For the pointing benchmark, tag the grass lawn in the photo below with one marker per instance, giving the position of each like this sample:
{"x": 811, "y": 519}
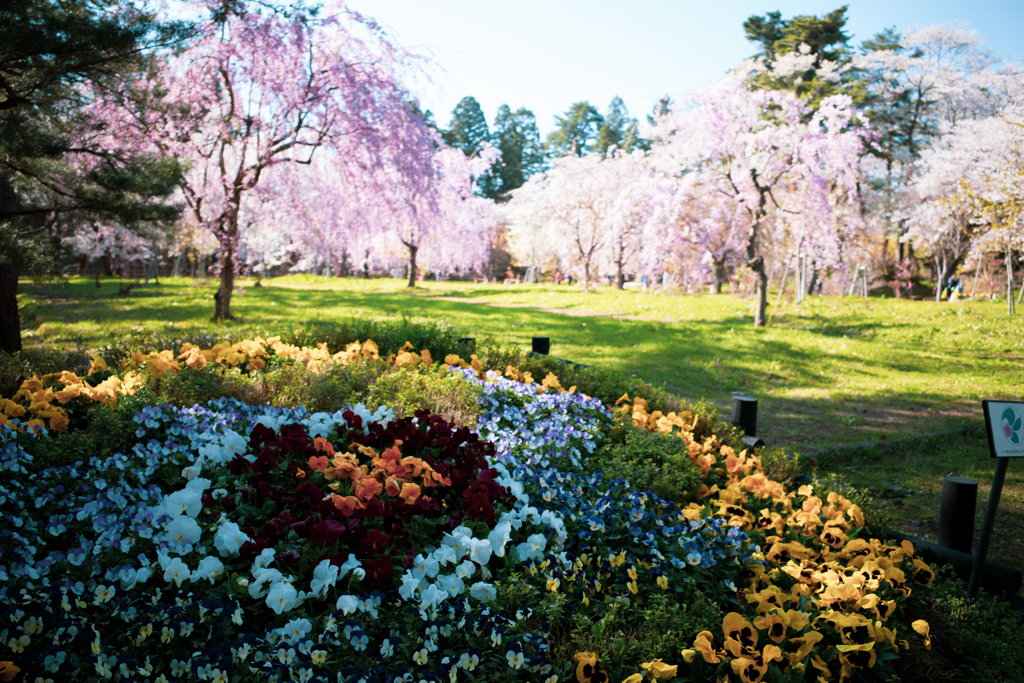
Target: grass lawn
{"x": 831, "y": 373}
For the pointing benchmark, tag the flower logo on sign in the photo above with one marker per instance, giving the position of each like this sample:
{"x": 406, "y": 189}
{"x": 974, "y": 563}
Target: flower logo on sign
{"x": 1011, "y": 423}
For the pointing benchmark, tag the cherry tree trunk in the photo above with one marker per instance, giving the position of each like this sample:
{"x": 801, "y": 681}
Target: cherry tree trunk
{"x": 618, "y": 272}
{"x": 108, "y": 264}
{"x": 760, "y": 290}
{"x": 1009, "y": 281}
{"x": 756, "y": 263}
{"x": 10, "y": 322}
{"x": 586, "y": 276}
{"x": 412, "y": 264}
{"x": 222, "y": 299}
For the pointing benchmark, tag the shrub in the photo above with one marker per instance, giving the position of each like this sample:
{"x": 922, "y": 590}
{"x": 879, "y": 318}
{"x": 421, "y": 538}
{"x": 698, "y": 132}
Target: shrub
{"x": 103, "y": 429}
{"x": 426, "y": 387}
{"x": 876, "y": 521}
{"x": 653, "y": 461}
{"x": 16, "y": 367}
{"x": 978, "y": 642}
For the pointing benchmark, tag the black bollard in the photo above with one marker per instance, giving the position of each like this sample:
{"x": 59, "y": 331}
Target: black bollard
{"x": 956, "y": 513}
{"x": 744, "y": 413}
{"x": 542, "y": 345}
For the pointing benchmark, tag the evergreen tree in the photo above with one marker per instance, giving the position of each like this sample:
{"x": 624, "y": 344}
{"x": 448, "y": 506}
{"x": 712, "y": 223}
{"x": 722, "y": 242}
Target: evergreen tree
{"x": 576, "y": 131}
{"x": 619, "y": 129}
{"x": 468, "y": 127}
{"x": 820, "y": 39}
{"x": 468, "y": 131}
{"x": 517, "y": 138}
{"x": 58, "y": 59}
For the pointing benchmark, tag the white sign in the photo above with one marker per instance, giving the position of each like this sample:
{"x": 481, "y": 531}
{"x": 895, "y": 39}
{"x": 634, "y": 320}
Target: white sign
{"x": 1004, "y": 421}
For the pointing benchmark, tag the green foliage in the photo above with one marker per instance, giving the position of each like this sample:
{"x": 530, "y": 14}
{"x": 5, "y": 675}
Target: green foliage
{"x": 522, "y": 153}
{"x": 652, "y": 461}
{"x": 630, "y": 631}
{"x": 876, "y": 521}
{"x": 779, "y": 464}
{"x": 199, "y": 385}
{"x": 390, "y": 335}
{"x": 17, "y": 367}
{"x": 468, "y": 131}
{"x": 823, "y": 35}
{"x": 576, "y": 131}
{"x": 619, "y": 129}
{"x": 57, "y": 61}
{"x": 100, "y": 431}
{"x": 977, "y": 642}
{"x": 427, "y": 387}
{"x": 328, "y": 391}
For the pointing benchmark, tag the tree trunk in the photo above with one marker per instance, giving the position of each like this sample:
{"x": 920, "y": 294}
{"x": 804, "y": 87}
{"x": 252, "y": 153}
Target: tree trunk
{"x": 82, "y": 261}
{"x": 586, "y": 276}
{"x": 10, "y": 322}
{"x": 755, "y": 261}
{"x": 947, "y": 272}
{"x": 108, "y": 264}
{"x": 721, "y": 276}
{"x": 1009, "y": 280}
{"x": 618, "y": 272}
{"x": 222, "y": 299}
{"x": 412, "y": 264}
{"x": 756, "y": 264}
{"x": 813, "y": 283}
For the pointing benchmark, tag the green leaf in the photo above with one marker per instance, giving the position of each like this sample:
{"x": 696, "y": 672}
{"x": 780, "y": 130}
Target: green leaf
{"x": 619, "y": 646}
{"x": 597, "y": 630}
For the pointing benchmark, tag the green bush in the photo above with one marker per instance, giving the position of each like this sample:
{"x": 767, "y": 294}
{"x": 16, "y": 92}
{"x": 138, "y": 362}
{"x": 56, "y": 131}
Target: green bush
{"x": 659, "y": 626}
{"x": 652, "y": 461}
{"x": 876, "y": 521}
{"x": 427, "y": 387}
{"x": 100, "y": 431}
{"x": 979, "y": 642}
{"x": 17, "y": 367}
{"x": 389, "y": 334}
{"x": 339, "y": 385}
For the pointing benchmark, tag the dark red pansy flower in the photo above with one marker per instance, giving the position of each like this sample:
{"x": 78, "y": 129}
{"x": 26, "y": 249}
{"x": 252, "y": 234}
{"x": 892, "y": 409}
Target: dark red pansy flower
{"x": 260, "y": 436}
{"x": 379, "y": 573}
{"x": 310, "y": 492}
{"x": 328, "y": 531}
{"x": 238, "y": 465}
{"x": 480, "y": 508}
{"x": 266, "y": 462}
{"x": 373, "y": 543}
{"x": 250, "y": 550}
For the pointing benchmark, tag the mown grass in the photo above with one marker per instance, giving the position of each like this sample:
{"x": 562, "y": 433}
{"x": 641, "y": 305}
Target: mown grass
{"x": 832, "y": 373}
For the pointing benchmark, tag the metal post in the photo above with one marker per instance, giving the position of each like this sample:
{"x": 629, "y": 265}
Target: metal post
{"x": 864, "y": 280}
{"x": 542, "y": 345}
{"x": 956, "y": 513}
{"x": 986, "y": 528}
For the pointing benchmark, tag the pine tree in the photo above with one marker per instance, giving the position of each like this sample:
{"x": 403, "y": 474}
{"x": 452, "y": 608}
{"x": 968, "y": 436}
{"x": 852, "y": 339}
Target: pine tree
{"x": 522, "y": 153}
{"x": 576, "y": 131}
{"x": 58, "y": 58}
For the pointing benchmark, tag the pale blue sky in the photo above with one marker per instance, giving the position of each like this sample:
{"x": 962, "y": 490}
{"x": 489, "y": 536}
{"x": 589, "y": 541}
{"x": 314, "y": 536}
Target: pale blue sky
{"x": 545, "y": 55}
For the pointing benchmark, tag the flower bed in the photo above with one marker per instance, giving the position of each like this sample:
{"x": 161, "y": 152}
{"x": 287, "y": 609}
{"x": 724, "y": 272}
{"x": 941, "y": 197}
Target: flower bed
{"x": 242, "y": 542}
